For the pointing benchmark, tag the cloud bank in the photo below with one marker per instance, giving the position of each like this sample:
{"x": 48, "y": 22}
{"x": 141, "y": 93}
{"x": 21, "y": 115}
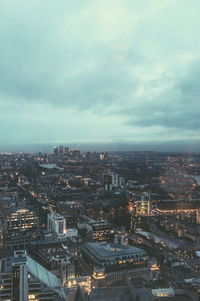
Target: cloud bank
{"x": 99, "y": 70}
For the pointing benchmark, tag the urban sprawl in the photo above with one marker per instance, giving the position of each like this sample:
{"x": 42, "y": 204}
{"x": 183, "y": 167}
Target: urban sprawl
{"x": 99, "y": 226}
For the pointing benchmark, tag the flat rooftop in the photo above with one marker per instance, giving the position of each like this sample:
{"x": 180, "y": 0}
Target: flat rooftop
{"x": 121, "y": 293}
{"x": 99, "y": 223}
{"x": 105, "y": 250}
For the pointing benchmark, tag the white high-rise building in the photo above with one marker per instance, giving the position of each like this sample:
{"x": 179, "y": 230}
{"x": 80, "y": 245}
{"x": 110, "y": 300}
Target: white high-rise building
{"x": 115, "y": 179}
{"x": 57, "y": 223}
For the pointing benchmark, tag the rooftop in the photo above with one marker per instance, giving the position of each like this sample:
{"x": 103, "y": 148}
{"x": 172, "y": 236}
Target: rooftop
{"x": 45, "y": 276}
{"x": 120, "y": 293}
{"x": 103, "y": 249}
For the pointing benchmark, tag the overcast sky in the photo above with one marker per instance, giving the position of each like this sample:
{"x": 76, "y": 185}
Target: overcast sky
{"x": 99, "y": 71}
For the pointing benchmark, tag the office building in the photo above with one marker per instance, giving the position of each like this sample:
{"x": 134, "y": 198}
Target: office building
{"x": 57, "y": 224}
{"x": 143, "y": 204}
{"x": 97, "y": 230}
{"x": 23, "y": 279}
{"x": 22, "y": 219}
{"x": 101, "y": 230}
{"x": 55, "y": 151}
{"x": 107, "y": 182}
{"x": 110, "y": 260}
{"x": 70, "y": 210}
{"x": 61, "y": 150}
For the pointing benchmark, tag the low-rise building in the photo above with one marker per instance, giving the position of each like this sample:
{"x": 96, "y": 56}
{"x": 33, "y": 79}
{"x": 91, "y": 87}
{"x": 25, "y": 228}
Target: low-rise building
{"x": 114, "y": 260}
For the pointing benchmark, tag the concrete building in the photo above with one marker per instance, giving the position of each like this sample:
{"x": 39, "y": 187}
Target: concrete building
{"x": 115, "y": 261}
{"x": 57, "y": 224}
{"x": 70, "y": 210}
{"x": 121, "y": 293}
{"x": 23, "y": 279}
{"x": 112, "y": 180}
{"x": 97, "y": 230}
{"x": 101, "y": 230}
{"x": 107, "y": 182}
{"x": 142, "y": 207}
{"x": 55, "y": 151}
{"x": 21, "y": 219}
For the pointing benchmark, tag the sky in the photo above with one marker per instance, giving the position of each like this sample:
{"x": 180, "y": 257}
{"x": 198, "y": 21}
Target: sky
{"x": 99, "y": 71}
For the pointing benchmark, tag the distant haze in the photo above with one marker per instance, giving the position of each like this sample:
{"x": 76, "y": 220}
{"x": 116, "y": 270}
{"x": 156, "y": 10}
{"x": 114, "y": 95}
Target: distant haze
{"x": 181, "y": 146}
{"x": 119, "y": 73}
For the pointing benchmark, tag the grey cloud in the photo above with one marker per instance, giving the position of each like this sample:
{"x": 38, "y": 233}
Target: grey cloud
{"x": 190, "y": 83}
{"x": 176, "y": 108}
{"x": 100, "y": 56}
{"x": 174, "y": 120}
{"x": 40, "y": 62}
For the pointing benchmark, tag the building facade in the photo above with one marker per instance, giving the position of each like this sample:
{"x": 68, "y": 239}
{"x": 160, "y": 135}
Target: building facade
{"x": 110, "y": 260}
{"x": 23, "y": 279}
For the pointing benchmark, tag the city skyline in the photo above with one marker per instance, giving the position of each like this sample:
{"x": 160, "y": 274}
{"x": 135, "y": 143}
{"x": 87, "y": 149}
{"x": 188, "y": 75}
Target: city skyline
{"x": 109, "y": 73}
